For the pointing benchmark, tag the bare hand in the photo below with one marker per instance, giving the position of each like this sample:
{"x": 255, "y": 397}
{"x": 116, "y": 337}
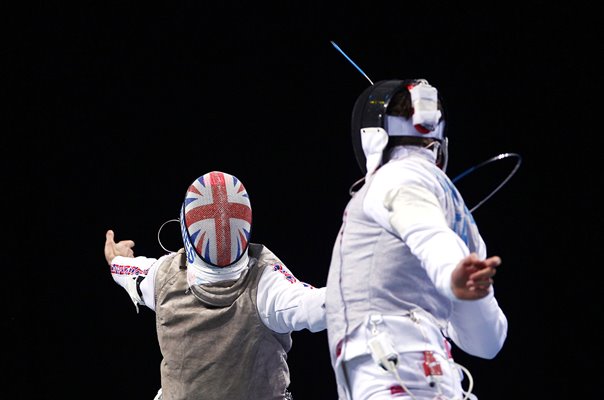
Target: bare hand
{"x": 472, "y": 278}
{"x": 121, "y": 248}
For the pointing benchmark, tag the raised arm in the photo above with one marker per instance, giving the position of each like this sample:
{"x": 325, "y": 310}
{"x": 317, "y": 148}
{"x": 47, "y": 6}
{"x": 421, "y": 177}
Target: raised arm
{"x": 128, "y": 271}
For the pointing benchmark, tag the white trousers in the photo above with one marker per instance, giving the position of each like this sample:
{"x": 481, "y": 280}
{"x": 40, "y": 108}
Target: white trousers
{"x": 425, "y": 369}
{"x": 368, "y": 381}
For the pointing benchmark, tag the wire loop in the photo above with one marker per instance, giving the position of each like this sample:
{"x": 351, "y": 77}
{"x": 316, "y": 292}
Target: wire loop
{"x": 486, "y": 162}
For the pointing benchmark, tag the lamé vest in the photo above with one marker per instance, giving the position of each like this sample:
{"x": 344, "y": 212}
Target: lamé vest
{"x": 374, "y": 272}
{"x": 213, "y": 342}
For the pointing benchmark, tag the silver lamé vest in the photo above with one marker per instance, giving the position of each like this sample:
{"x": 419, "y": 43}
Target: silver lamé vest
{"x": 213, "y": 342}
{"x": 373, "y": 271}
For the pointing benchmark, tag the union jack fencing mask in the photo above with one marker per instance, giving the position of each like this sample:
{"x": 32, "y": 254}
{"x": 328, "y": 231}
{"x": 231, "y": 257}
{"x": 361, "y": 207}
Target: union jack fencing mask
{"x": 215, "y": 220}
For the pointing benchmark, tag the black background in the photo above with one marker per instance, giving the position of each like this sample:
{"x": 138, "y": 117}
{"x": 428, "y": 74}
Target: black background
{"x": 112, "y": 109}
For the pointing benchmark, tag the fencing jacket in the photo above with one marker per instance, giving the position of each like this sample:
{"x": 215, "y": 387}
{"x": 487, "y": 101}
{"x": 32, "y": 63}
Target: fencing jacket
{"x": 377, "y": 271}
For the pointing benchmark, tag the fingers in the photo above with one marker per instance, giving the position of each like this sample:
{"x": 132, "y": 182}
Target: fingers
{"x": 471, "y": 259}
{"x": 479, "y": 285}
{"x": 493, "y": 262}
{"x": 473, "y": 277}
{"x": 482, "y": 279}
{"x": 483, "y": 275}
{"x": 109, "y": 246}
{"x": 473, "y": 262}
{"x": 129, "y": 251}
{"x": 110, "y": 238}
{"x": 121, "y": 248}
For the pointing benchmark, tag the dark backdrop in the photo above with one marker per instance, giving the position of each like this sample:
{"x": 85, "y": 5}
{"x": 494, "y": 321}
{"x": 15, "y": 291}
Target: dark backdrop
{"x": 114, "y": 108}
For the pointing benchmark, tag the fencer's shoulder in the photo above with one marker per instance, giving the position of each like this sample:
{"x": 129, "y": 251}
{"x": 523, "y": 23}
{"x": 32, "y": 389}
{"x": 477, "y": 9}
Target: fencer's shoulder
{"x": 278, "y": 277}
{"x": 258, "y": 250}
{"x": 401, "y": 172}
{"x": 410, "y": 162}
{"x": 169, "y": 257}
{"x": 263, "y": 254}
{"x": 274, "y": 267}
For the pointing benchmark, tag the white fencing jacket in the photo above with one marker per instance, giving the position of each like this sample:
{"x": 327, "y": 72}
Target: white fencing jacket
{"x": 402, "y": 235}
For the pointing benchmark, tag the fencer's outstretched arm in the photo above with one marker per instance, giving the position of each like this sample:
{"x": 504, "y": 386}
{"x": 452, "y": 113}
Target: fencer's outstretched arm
{"x": 477, "y": 324}
{"x": 286, "y": 304}
{"x": 126, "y": 270}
